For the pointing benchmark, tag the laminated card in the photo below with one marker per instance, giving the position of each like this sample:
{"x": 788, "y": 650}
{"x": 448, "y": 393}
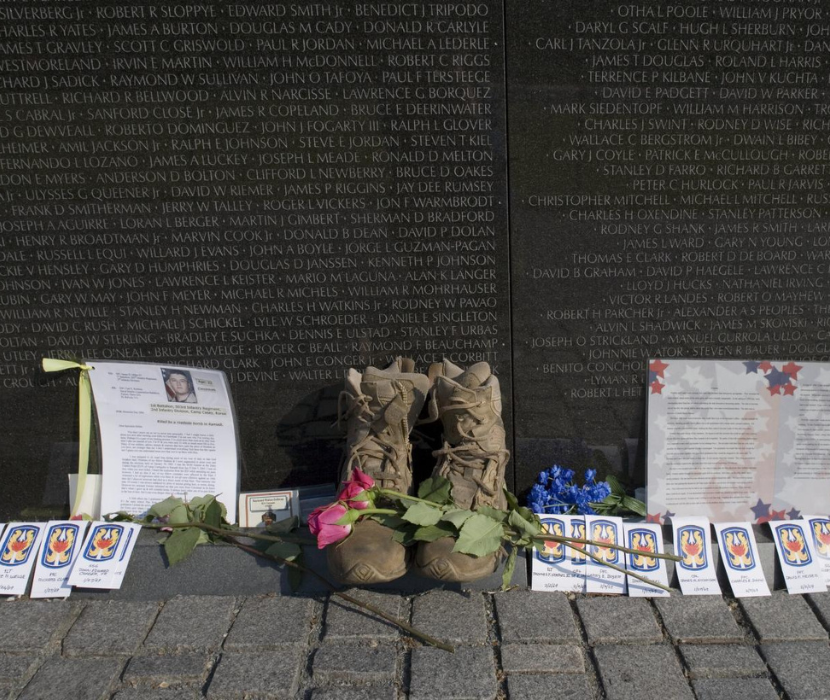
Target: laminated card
{"x": 599, "y": 578}
{"x": 645, "y": 538}
{"x": 819, "y": 528}
{"x": 61, "y": 545}
{"x": 737, "y": 441}
{"x": 693, "y": 544}
{"x": 165, "y": 430}
{"x": 124, "y": 554}
{"x": 18, "y": 552}
{"x": 96, "y": 565}
{"x": 801, "y": 570}
{"x": 557, "y": 567}
{"x": 739, "y": 553}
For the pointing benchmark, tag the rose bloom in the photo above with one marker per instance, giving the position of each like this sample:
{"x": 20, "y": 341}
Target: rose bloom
{"x": 359, "y": 483}
{"x": 323, "y": 524}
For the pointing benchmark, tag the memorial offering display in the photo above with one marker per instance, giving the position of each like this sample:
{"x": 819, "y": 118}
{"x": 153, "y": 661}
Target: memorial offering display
{"x": 738, "y": 440}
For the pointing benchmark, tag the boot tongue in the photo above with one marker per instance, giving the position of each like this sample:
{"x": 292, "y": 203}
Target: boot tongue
{"x": 475, "y": 376}
{"x": 383, "y": 387}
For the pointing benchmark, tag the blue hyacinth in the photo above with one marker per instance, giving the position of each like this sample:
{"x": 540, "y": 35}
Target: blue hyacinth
{"x": 555, "y": 492}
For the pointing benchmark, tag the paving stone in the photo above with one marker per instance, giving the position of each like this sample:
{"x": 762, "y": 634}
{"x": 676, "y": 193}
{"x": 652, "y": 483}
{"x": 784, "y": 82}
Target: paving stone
{"x": 28, "y": 625}
{"x": 13, "y": 667}
{"x": 699, "y": 618}
{"x": 468, "y": 674}
{"x": 272, "y": 675}
{"x": 783, "y": 617}
{"x": 532, "y": 616}
{"x": 451, "y": 616}
{"x": 821, "y": 605}
{"x": 346, "y": 620}
{"x": 351, "y": 693}
{"x": 722, "y": 660}
{"x": 339, "y": 662}
{"x": 170, "y": 669}
{"x": 73, "y": 679}
{"x": 191, "y": 623}
{"x": 110, "y": 628}
{"x": 559, "y": 687}
{"x": 802, "y": 668}
{"x": 542, "y": 658}
{"x": 734, "y": 689}
{"x": 652, "y": 672}
{"x": 617, "y": 619}
{"x": 157, "y": 694}
{"x": 270, "y": 622}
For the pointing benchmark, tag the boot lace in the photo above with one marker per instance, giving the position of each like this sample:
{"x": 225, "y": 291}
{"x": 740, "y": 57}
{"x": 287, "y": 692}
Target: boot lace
{"x": 376, "y": 453}
{"x": 471, "y": 453}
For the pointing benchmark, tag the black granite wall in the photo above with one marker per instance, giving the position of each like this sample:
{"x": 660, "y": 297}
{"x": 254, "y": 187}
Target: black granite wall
{"x": 286, "y": 190}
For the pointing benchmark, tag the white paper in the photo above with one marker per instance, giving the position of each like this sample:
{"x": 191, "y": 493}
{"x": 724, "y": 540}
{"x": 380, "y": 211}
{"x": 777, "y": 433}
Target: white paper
{"x": 259, "y": 508}
{"x": 819, "y": 527}
{"x": 557, "y": 567}
{"x": 739, "y": 553}
{"x": 693, "y": 544}
{"x": 738, "y": 441}
{"x": 802, "y": 572}
{"x": 645, "y": 537}
{"x": 18, "y": 552}
{"x": 62, "y": 543}
{"x": 600, "y": 578}
{"x": 91, "y": 497}
{"x": 97, "y": 562}
{"x": 124, "y": 554}
{"x": 165, "y": 430}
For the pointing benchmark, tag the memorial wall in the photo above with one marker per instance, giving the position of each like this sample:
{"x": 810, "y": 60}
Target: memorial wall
{"x": 287, "y": 190}
{"x": 278, "y": 190}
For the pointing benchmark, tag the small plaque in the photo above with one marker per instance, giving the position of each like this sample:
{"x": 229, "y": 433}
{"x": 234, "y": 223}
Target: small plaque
{"x": 693, "y": 544}
{"x": 61, "y": 545}
{"x": 260, "y": 508}
{"x": 556, "y": 566}
{"x": 18, "y": 553}
{"x": 645, "y": 538}
{"x": 739, "y": 553}
{"x": 801, "y": 569}
{"x": 598, "y": 577}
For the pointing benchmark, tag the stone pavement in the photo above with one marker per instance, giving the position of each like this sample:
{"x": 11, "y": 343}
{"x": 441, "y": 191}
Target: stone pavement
{"x": 516, "y": 644}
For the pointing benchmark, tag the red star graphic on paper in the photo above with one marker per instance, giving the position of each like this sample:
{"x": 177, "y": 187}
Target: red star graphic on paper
{"x": 792, "y": 369}
{"x": 789, "y": 389}
{"x": 778, "y": 515}
{"x": 657, "y": 387}
{"x": 657, "y": 366}
{"x": 765, "y": 366}
{"x": 775, "y": 389}
{"x": 653, "y": 518}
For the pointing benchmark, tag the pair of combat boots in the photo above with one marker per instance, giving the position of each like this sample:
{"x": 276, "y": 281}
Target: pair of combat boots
{"x": 381, "y": 406}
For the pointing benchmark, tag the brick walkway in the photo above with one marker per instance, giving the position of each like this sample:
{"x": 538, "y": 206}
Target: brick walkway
{"x": 516, "y": 644}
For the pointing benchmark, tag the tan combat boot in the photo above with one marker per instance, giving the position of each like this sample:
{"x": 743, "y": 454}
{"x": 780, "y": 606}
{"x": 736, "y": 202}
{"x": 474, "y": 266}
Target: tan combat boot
{"x": 380, "y": 409}
{"x": 473, "y": 458}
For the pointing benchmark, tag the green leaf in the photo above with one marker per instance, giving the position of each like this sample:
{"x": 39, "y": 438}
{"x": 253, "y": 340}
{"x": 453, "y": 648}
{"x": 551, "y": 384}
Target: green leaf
{"x": 404, "y": 535}
{"x": 387, "y": 520}
{"x": 528, "y": 527}
{"x": 284, "y": 550}
{"x": 422, "y": 514}
{"x": 179, "y": 515}
{"x": 512, "y": 501}
{"x": 435, "y": 489}
{"x": 457, "y": 517}
{"x": 430, "y": 533}
{"x": 181, "y": 543}
{"x": 213, "y": 514}
{"x": 634, "y": 505}
{"x": 283, "y": 527}
{"x": 493, "y": 513}
{"x": 163, "y": 508}
{"x": 616, "y": 487}
{"x": 480, "y": 535}
{"x": 507, "y": 575}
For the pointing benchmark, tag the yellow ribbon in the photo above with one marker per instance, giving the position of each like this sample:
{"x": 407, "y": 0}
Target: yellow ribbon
{"x": 84, "y": 420}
